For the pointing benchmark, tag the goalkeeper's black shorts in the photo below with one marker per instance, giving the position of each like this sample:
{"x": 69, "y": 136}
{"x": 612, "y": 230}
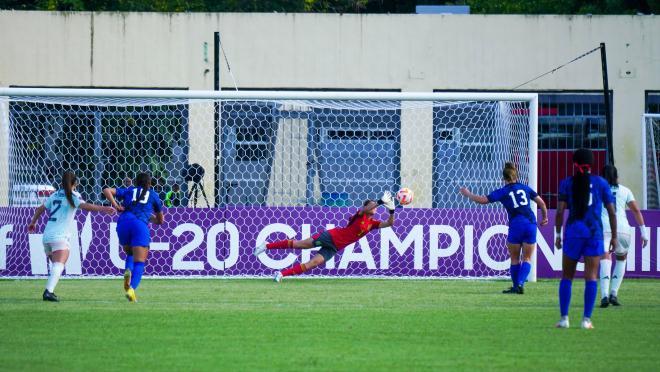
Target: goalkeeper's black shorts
{"x": 328, "y": 248}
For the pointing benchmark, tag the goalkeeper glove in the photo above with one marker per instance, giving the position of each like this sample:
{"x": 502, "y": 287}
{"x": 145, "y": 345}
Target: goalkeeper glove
{"x": 386, "y": 200}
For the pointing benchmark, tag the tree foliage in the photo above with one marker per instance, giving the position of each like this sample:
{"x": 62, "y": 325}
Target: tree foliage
{"x": 343, "y": 6}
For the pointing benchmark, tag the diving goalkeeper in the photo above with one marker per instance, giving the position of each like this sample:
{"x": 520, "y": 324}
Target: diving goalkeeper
{"x": 333, "y": 240}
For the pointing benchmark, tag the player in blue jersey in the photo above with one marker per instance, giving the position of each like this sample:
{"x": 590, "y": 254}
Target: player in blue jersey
{"x": 61, "y": 206}
{"x": 516, "y": 197}
{"x": 140, "y": 205}
{"x": 584, "y": 195}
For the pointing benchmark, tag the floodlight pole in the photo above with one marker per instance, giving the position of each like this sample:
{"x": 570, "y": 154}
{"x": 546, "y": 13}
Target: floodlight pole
{"x": 609, "y": 158}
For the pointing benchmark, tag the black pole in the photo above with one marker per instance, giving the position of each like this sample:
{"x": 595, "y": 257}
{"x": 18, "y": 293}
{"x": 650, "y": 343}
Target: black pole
{"x": 217, "y": 176}
{"x": 609, "y": 158}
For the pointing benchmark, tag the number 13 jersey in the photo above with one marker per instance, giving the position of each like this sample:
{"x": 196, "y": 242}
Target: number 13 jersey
{"x": 516, "y": 197}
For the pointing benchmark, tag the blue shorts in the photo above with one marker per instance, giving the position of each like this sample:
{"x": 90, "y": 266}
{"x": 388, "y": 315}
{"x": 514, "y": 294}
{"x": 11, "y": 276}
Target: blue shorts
{"x": 520, "y": 233}
{"x": 578, "y": 247}
{"x": 133, "y": 232}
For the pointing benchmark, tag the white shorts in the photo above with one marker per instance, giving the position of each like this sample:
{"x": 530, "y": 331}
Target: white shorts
{"x": 624, "y": 243}
{"x": 51, "y": 247}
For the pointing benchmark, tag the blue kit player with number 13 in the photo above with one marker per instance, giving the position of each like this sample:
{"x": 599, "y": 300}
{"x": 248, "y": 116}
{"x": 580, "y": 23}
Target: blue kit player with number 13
{"x": 516, "y": 197}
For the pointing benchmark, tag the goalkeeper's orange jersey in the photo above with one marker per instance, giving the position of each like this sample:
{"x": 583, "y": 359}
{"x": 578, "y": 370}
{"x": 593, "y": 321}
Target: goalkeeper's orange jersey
{"x": 358, "y": 226}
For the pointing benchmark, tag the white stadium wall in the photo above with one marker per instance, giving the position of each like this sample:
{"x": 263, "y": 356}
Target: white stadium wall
{"x": 309, "y": 51}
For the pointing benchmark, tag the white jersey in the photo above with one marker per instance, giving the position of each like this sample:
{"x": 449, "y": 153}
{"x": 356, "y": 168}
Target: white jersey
{"x": 623, "y": 196}
{"x": 60, "y": 216}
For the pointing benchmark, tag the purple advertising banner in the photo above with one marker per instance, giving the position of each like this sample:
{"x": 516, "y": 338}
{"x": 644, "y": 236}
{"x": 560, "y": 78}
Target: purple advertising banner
{"x": 424, "y": 243}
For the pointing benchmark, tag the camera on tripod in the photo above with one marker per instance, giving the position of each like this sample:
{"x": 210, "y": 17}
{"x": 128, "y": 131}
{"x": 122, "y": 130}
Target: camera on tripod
{"x": 195, "y": 173}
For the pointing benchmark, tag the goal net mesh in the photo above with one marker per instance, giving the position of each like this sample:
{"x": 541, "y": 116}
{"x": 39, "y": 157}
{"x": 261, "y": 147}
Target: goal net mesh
{"x": 651, "y": 157}
{"x": 250, "y": 171}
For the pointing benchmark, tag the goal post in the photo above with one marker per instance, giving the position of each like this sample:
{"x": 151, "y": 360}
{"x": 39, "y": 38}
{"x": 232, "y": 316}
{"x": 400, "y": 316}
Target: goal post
{"x": 254, "y": 166}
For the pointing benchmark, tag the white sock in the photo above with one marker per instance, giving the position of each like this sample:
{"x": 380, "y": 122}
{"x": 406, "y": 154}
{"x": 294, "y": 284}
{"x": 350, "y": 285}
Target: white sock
{"x": 54, "y": 277}
{"x": 605, "y": 270}
{"x": 617, "y": 276}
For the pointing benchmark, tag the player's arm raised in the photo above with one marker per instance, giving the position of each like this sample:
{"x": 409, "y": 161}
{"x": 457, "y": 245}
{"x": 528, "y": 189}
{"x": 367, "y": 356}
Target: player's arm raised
{"x": 475, "y": 198}
{"x": 97, "y": 208}
{"x": 389, "y": 222}
{"x": 385, "y": 200}
{"x": 109, "y": 193}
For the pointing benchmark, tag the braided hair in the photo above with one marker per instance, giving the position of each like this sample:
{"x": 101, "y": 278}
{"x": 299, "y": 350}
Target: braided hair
{"x": 581, "y": 188}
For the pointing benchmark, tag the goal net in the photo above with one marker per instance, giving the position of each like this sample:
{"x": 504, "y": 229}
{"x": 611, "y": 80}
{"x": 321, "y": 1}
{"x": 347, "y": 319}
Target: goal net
{"x": 263, "y": 166}
{"x": 650, "y": 158}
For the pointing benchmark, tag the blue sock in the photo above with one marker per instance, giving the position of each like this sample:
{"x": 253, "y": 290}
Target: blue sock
{"x": 525, "y": 268}
{"x": 565, "y": 288}
{"x": 129, "y": 263}
{"x": 590, "y": 289}
{"x": 514, "y": 269}
{"x": 138, "y": 269}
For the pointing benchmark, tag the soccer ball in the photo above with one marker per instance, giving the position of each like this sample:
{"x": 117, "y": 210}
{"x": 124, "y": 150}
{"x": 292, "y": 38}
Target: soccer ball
{"x": 405, "y": 196}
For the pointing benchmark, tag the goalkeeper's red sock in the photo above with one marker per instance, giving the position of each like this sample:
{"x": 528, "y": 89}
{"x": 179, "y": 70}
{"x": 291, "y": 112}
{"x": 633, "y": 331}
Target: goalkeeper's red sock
{"x": 294, "y": 270}
{"x": 282, "y": 244}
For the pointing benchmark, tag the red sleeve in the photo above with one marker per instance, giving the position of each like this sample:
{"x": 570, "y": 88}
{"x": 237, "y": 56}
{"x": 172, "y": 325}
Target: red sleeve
{"x": 352, "y": 219}
{"x": 375, "y": 224}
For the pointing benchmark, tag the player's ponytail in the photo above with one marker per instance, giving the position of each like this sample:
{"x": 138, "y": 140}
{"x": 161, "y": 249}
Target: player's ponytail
{"x": 143, "y": 180}
{"x": 581, "y": 188}
{"x": 510, "y": 173}
{"x": 611, "y": 175}
{"x": 68, "y": 182}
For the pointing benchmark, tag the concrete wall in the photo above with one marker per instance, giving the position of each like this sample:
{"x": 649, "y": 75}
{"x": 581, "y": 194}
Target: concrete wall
{"x": 407, "y": 52}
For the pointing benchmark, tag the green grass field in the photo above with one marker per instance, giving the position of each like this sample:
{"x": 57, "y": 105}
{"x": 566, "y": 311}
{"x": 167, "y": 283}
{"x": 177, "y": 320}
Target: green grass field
{"x": 321, "y": 324}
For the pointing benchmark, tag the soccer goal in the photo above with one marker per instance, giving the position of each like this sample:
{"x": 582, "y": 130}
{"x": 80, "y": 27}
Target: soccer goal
{"x": 238, "y": 168}
{"x": 650, "y": 154}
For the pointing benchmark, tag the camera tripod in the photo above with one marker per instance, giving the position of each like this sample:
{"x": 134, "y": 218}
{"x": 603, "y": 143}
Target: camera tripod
{"x": 194, "y": 192}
